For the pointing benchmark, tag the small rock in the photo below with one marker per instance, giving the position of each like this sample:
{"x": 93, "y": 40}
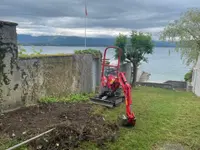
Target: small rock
{"x": 24, "y": 132}
{"x": 13, "y": 135}
{"x": 57, "y": 144}
{"x": 39, "y": 147}
{"x": 46, "y": 140}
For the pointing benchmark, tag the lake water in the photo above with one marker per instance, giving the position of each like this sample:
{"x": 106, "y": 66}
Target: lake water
{"x": 161, "y": 65}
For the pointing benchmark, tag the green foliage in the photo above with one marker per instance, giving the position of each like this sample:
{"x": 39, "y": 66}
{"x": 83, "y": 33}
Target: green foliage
{"x": 121, "y": 42}
{"x": 6, "y": 142}
{"x": 188, "y": 76}
{"x": 185, "y": 33}
{"x": 94, "y": 52}
{"x": 141, "y": 44}
{"x": 23, "y": 52}
{"x": 69, "y": 98}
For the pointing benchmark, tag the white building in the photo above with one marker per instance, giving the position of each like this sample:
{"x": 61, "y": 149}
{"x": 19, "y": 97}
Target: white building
{"x": 196, "y": 78}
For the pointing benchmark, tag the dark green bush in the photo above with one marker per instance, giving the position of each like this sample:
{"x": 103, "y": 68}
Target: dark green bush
{"x": 188, "y": 76}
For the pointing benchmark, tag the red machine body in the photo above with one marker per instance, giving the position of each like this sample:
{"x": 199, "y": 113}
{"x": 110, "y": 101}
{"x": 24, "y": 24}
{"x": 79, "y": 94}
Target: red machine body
{"x": 111, "y": 80}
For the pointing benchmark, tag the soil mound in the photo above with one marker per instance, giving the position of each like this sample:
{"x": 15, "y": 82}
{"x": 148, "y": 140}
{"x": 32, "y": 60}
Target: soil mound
{"x": 73, "y": 124}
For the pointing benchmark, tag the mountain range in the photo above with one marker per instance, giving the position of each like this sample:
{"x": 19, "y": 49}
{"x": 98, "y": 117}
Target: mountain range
{"x": 24, "y": 39}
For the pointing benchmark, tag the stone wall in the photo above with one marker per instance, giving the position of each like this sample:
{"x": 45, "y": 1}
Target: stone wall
{"x": 157, "y": 85}
{"x": 178, "y": 85}
{"x": 126, "y": 67}
{"x": 24, "y": 81}
{"x": 9, "y": 71}
{"x": 55, "y": 76}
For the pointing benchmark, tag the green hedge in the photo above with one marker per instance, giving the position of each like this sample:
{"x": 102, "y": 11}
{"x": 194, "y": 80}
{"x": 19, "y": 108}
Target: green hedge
{"x": 94, "y": 52}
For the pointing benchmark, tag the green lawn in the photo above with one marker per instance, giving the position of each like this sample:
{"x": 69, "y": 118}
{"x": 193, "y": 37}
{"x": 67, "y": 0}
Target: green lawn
{"x": 163, "y": 116}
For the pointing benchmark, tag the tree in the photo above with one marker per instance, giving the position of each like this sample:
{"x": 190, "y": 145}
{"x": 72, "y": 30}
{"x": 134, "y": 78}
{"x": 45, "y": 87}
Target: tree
{"x": 185, "y": 32}
{"x": 121, "y": 41}
{"x": 140, "y": 45}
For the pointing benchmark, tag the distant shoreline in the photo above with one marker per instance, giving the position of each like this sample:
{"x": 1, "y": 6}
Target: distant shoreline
{"x": 28, "y": 40}
{"x": 82, "y": 45}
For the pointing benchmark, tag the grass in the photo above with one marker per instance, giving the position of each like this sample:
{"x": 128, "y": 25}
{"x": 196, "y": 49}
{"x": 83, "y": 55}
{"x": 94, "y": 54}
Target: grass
{"x": 163, "y": 116}
{"x": 6, "y": 142}
{"x": 69, "y": 98}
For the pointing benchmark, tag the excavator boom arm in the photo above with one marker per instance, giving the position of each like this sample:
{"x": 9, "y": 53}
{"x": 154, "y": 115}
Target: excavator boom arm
{"x": 128, "y": 98}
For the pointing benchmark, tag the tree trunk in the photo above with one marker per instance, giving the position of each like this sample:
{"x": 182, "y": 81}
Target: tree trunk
{"x": 134, "y": 74}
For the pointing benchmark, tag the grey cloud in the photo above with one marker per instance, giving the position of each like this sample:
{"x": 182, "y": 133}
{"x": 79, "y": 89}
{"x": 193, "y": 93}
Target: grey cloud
{"x": 128, "y": 14}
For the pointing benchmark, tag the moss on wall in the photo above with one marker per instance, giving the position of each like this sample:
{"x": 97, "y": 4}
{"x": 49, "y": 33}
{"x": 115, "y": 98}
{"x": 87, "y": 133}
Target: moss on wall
{"x": 11, "y": 49}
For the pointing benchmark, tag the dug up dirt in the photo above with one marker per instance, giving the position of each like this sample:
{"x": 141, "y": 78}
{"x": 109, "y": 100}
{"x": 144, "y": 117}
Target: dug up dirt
{"x": 73, "y": 123}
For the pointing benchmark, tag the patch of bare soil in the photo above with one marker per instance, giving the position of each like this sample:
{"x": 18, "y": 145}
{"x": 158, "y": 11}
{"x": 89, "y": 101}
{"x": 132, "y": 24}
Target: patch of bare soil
{"x": 73, "y": 124}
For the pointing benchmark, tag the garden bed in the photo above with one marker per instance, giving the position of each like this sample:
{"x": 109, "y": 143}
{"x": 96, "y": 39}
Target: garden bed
{"x": 73, "y": 123}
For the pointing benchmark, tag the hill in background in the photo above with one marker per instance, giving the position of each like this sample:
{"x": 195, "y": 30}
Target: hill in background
{"x": 74, "y": 41}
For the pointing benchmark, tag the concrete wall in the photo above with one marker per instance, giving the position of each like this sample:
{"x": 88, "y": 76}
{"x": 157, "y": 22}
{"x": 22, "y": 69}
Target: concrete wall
{"x": 157, "y": 85}
{"x": 178, "y": 85}
{"x": 96, "y": 73}
{"x": 9, "y": 71}
{"x": 144, "y": 77}
{"x": 24, "y": 81}
{"x": 55, "y": 76}
{"x": 127, "y": 69}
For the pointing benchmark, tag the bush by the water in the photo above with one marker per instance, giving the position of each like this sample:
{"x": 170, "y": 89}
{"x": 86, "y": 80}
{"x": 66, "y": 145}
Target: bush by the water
{"x": 188, "y": 76}
{"x": 94, "y": 52}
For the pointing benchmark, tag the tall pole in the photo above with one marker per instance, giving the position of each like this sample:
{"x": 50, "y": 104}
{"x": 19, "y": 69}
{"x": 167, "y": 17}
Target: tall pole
{"x": 85, "y": 23}
{"x": 85, "y": 31}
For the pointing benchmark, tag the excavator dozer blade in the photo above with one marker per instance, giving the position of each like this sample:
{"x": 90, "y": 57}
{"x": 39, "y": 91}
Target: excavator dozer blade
{"x": 109, "y": 102}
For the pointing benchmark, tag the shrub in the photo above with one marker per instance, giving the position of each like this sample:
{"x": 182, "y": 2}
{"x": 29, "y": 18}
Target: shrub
{"x": 23, "y": 53}
{"x": 94, "y": 52}
{"x": 69, "y": 98}
{"x": 188, "y": 76}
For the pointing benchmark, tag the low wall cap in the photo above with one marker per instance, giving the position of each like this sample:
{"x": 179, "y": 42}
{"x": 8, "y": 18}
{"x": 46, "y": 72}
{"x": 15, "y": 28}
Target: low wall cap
{"x": 8, "y": 23}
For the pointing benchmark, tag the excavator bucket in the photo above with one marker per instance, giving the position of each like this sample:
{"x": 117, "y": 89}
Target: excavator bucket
{"x": 126, "y": 122}
{"x": 108, "y": 102}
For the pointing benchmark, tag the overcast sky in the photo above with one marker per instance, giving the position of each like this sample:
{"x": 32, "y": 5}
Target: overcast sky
{"x": 105, "y": 17}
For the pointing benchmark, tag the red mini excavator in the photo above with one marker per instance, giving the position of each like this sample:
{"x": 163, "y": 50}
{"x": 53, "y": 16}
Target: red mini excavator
{"x": 112, "y": 81}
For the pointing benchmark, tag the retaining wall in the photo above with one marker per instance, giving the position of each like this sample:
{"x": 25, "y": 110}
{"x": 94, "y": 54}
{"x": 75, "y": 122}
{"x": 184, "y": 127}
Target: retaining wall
{"x": 178, "y": 85}
{"x": 158, "y": 85}
{"x": 55, "y": 76}
{"x": 24, "y": 81}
